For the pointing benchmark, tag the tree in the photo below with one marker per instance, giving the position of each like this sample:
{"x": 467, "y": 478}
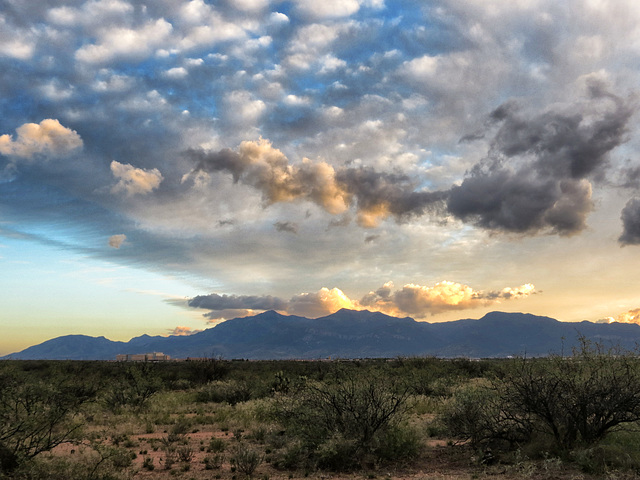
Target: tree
{"x": 577, "y": 399}
{"x": 574, "y": 400}
{"x": 37, "y": 415}
{"x": 343, "y": 421}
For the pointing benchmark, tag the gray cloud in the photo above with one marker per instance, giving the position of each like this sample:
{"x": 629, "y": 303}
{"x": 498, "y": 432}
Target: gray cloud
{"x": 286, "y": 227}
{"x": 379, "y": 194}
{"x": 215, "y": 301}
{"x": 537, "y": 174}
{"x": 631, "y": 223}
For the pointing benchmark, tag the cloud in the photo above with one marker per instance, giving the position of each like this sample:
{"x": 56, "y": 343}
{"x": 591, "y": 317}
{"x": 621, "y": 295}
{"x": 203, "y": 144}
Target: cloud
{"x": 323, "y": 302}
{"x": 631, "y": 223}
{"x": 632, "y": 316}
{"x": 48, "y": 138}
{"x": 180, "y": 331}
{"x": 215, "y": 301}
{"x": 286, "y": 227}
{"x": 116, "y": 241}
{"x": 537, "y": 175}
{"x": 379, "y": 195}
{"x": 122, "y": 42}
{"x": 415, "y": 300}
{"x": 420, "y": 301}
{"x": 242, "y": 108}
{"x": 133, "y": 181}
{"x": 327, "y": 8}
{"x": 376, "y": 195}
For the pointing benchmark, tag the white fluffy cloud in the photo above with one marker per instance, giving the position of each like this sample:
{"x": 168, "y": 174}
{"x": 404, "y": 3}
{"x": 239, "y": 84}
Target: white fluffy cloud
{"x": 327, "y": 8}
{"x": 48, "y": 138}
{"x": 121, "y": 42}
{"x": 134, "y": 181}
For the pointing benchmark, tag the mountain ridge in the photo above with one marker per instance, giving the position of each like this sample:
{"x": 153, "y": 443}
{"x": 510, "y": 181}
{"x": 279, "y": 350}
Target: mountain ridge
{"x": 351, "y": 334}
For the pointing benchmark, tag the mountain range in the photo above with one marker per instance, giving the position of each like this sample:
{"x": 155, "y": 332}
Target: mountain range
{"x": 351, "y": 334}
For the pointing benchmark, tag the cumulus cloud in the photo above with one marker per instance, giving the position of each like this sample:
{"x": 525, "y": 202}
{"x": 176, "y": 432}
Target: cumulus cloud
{"x": 320, "y": 303}
{"x": 420, "y": 301}
{"x": 134, "y": 181}
{"x": 376, "y": 195}
{"x": 116, "y": 241}
{"x": 327, "y": 8}
{"x": 122, "y": 42}
{"x": 242, "y": 108}
{"x": 631, "y": 223}
{"x": 632, "y": 316}
{"x": 414, "y": 300}
{"x": 537, "y": 176}
{"x": 48, "y": 138}
{"x": 380, "y": 194}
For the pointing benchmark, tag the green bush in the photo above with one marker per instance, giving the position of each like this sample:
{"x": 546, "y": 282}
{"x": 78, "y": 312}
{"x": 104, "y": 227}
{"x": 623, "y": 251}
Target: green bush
{"x": 477, "y": 414}
{"x": 229, "y": 391}
{"x": 578, "y": 400}
{"x": 564, "y": 401}
{"x": 346, "y": 422}
{"x": 133, "y": 386}
{"x": 245, "y": 459}
{"x": 37, "y": 415}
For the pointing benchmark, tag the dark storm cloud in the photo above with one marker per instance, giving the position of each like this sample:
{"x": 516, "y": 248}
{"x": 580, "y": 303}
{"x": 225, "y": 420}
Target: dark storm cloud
{"x": 631, "y": 223}
{"x": 215, "y": 301}
{"x": 536, "y": 175}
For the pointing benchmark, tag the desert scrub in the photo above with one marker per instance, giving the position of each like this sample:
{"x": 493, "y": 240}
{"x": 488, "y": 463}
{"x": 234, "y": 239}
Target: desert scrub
{"x": 228, "y": 391}
{"x": 246, "y": 459}
{"x": 347, "y": 422}
{"x": 554, "y": 404}
{"x": 213, "y": 462}
{"x": 216, "y": 445}
{"x": 38, "y": 415}
{"x": 133, "y": 387}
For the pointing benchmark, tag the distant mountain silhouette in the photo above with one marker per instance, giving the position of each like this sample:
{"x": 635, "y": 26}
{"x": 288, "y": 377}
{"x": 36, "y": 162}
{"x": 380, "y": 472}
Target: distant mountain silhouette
{"x": 352, "y": 334}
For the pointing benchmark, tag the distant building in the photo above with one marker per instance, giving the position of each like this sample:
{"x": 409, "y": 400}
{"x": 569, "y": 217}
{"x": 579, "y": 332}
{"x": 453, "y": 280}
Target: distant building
{"x": 143, "y": 357}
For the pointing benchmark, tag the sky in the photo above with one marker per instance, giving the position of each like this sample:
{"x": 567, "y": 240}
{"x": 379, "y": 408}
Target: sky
{"x": 165, "y": 166}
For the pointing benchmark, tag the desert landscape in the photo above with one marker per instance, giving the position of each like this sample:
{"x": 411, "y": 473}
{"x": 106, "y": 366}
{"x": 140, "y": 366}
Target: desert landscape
{"x": 572, "y": 417}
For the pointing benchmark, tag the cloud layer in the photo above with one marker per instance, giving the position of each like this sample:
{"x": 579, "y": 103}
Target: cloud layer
{"x": 413, "y": 300}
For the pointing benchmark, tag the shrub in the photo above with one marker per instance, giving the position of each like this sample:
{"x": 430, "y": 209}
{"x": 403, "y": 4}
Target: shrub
{"x": 134, "y": 387}
{"x": 245, "y": 459}
{"x": 216, "y": 445}
{"x": 207, "y": 370}
{"x": 345, "y": 422}
{"x": 185, "y": 453}
{"x": 572, "y": 401}
{"x": 579, "y": 399}
{"x": 37, "y": 415}
{"x": 213, "y": 462}
{"x": 230, "y": 391}
{"x": 477, "y": 414}
{"x": 148, "y": 463}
